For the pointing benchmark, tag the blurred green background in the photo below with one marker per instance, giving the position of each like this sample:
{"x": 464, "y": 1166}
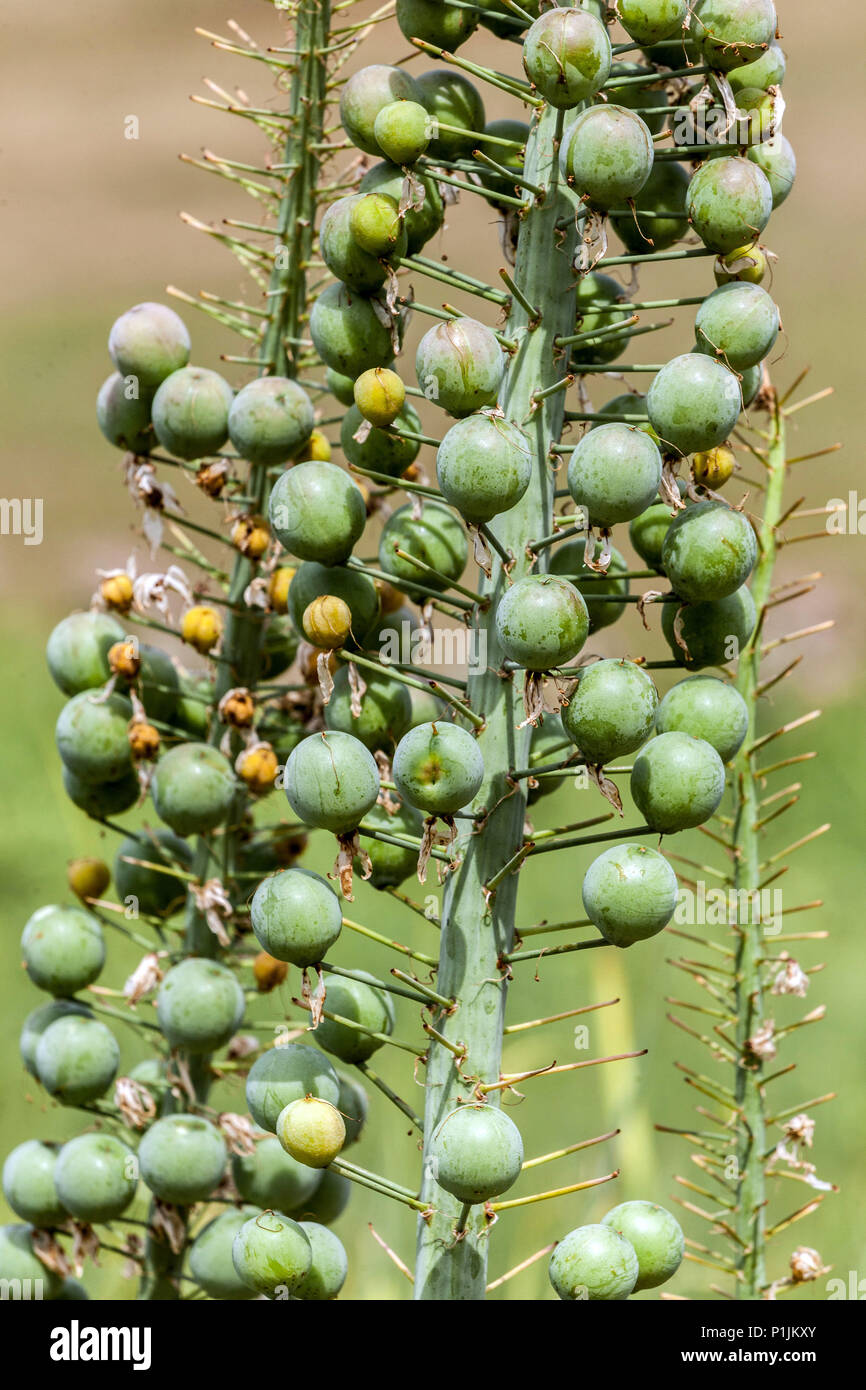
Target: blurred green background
{"x": 90, "y": 227}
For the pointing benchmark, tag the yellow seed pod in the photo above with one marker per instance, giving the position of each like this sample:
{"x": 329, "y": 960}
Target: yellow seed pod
{"x": 327, "y": 622}
{"x": 116, "y": 592}
{"x": 251, "y": 536}
{"x": 714, "y": 468}
{"x": 311, "y": 1131}
{"x": 144, "y": 740}
{"x": 257, "y": 768}
{"x": 268, "y": 972}
{"x": 390, "y": 599}
{"x": 317, "y": 449}
{"x": 124, "y": 659}
{"x": 379, "y": 395}
{"x": 278, "y": 588}
{"x": 746, "y": 263}
{"x": 88, "y": 878}
{"x": 202, "y": 628}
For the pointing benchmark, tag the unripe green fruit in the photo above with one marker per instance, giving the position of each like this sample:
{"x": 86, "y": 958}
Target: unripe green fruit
{"x": 541, "y": 622}
{"x": 360, "y": 1002}
{"x": 348, "y": 334}
{"x": 614, "y": 473}
{"x": 199, "y": 1005}
{"x": 548, "y": 744}
{"x": 567, "y": 560}
{"x": 353, "y": 1106}
{"x": 438, "y": 768}
{"x": 327, "y": 1273}
{"x": 149, "y": 342}
{"x": 332, "y": 781}
{"x": 296, "y": 916}
{"x": 36, "y": 1023}
{"x": 598, "y": 289}
{"x": 193, "y": 788}
{"x": 271, "y": 1253}
{"x": 640, "y": 96}
{"x": 28, "y": 1184}
{"x": 730, "y": 202}
{"x": 693, "y": 403}
{"x": 96, "y": 1177}
{"x": 499, "y": 19}
{"x": 76, "y": 1059}
{"x": 436, "y": 538}
{"x": 709, "y": 551}
{"x": 391, "y": 864}
{"x": 191, "y": 412}
{"x": 158, "y": 682}
{"x": 313, "y": 580}
{"x": 19, "y": 1263}
{"x": 91, "y": 735}
{"x": 651, "y": 21}
{"x": 343, "y": 387}
{"x": 677, "y": 782}
{"x": 510, "y": 159}
{"x": 386, "y": 710}
{"x": 751, "y": 383}
{"x": 63, "y": 949}
{"x": 460, "y": 365}
{"x": 124, "y": 419}
{"x": 345, "y": 257}
{"x": 430, "y": 20}
{"x": 776, "y": 158}
{"x": 270, "y": 419}
{"x": 101, "y": 799}
{"x": 422, "y": 219}
{"x": 476, "y": 1153}
{"x": 484, "y": 466}
{"x": 628, "y": 404}
{"x": 364, "y": 96}
{"x": 567, "y": 56}
{"x": 311, "y": 1131}
{"x": 647, "y": 532}
{"x": 380, "y": 395}
{"x": 664, "y": 192}
{"x": 766, "y": 71}
{"x": 739, "y": 323}
{"x": 611, "y": 712}
{"x": 381, "y": 452}
{"x": 402, "y": 131}
{"x": 608, "y": 156}
{"x": 376, "y": 225}
{"x": 655, "y": 1236}
{"x": 286, "y": 1073}
{"x": 279, "y": 646}
{"x": 329, "y": 1200}
{"x": 317, "y": 512}
{"x": 182, "y": 1158}
{"x": 77, "y": 651}
{"x": 706, "y": 708}
{"x": 714, "y": 633}
{"x": 191, "y": 713}
{"x": 158, "y": 894}
{"x": 729, "y": 33}
{"x": 595, "y": 1264}
{"x": 630, "y": 893}
{"x": 271, "y": 1179}
{"x": 210, "y": 1256}
{"x": 451, "y": 98}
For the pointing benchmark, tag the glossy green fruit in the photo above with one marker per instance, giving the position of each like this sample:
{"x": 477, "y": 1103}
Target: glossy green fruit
{"x": 149, "y": 341}
{"x": 271, "y": 1254}
{"x": 484, "y": 466}
{"x": 738, "y": 323}
{"x": 328, "y": 1201}
{"x": 541, "y": 622}
{"x": 348, "y": 334}
{"x": 123, "y": 414}
{"x": 567, "y": 560}
{"x": 593, "y": 1263}
{"x": 199, "y": 1005}
{"x": 438, "y": 768}
{"x": 714, "y": 633}
{"x": 443, "y": 25}
{"x": 651, "y": 21}
{"x": 776, "y": 158}
{"x": 157, "y": 894}
{"x": 344, "y": 256}
{"x": 28, "y": 1184}
{"x": 425, "y": 212}
{"x": 751, "y": 383}
{"x": 567, "y": 56}
{"x": 343, "y": 387}
{"x": 356, "y": 589}
{"x": 450, "y": 98}
{"x": 677, "y": 782}
{"x": 511, "y": 159}
{"x": 476, "y": 1153}
{"x": 210, "y": 1255}
{"x": 376, "y": 225}
{"x": 647, "y": 532}
{"x": 436, "y": 538}
{"x": 730, "y": 202}
{"x": 286, "y": 1073}
{"x": 77, "y": 651}
{"x": 630, "y": 893}
{"x": 608, "y": 156}
{"x": 402, "y": 131}
{"x": 611, "y": 712}
{"x": 270, "y": 419}
{"x": 327, "y": 1273}
{"x": 195, "y": 696}
{"x": 693, "y": 403}
{"x": 382, "y": 451}
{"x": 317, "y": 512}
{"x": 706, "y": 708}
{"x": 729, "y": 33}
{"x": 548, "y": 744}
{"x": 96, "y": 1177}
{"x": 352, "y": 1105}
{"x": 360, "y": 1002}
{"x": 709, "y": 551}
{"x": 63, "y": 949}
{"x": 504, "y": 22}
{"x": 459, "y": 365}
{"x": 296, "y": 916}
{"x": 191, "y": 413}
{"x": 595, "y": 290}
{"x": 20, "y": 1265}
{"x": 766, "y": 71}
{"x": 332, "y": 781}
{"x": 655, "y": 1236}
{"x": 614, "y": 473}
{"x": 91, "y": 735}
{"x": 271, "y": 1179}
{"x": 76, "y": 1059}
{"x": 36, "y": 1023}
{"x": 182, "y": 1158}
{"x": 664, "y": 194}
{"x": 364, "y": 96}
{"x": 386, "y": 710}
{"x": 193, "y": 788}
{"x": 392, "y": 864}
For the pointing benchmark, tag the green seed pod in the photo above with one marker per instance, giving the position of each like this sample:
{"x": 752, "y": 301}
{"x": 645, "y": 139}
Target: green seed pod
{"x": 182, "y": 1158}
{"x": 776, "y": 158}
{"x": 285, "y": 1073}
{"x": 425, "y": 212}
{"x": 331, "y": 782}
{"x": 608, "y": 156}
{"x": 199, "y": 1005}
{"x": 157, "y": 894}
{"x": 766, "y": 71}
{"x": 651, "y": 21}
{"x": 296, "y": 916}
{"x": 380, "y": 396}
{"x": 271, "y": 1179}
{"x": 328, "y": 1201}
{"x": 353, "y": 1106}
{"x": 541, "y": 622}
{"x": 677, "y": 782}
{"x": 595, "y": 289}
{"x": 279, "y": 645}
{"x": 430, "y": 20}
{"x": 376, "y": 225}
{"x": 451, "y": 98}
{"x": 647, "y": 532}
{"x": 595, "y": 1264}
{"x": 438, "y": 768}
{"x": 364, "y": 96}
{"x": 77, "y": 651}
{"x": 706, "y": 708}
{"x": 614, "y": 473}
{"x": 343, "y": 253}
{"x": 611, "y": 712}
{"x": 381, "y": 451}
{"x": 642, "y": 95}
{"x": 628, "y": 404}
{"x": 123, "y": 418}
{"x": 548, "y": 744}
{"x": 28, "y": 1184}
{"x": 96, "y": 1177}
{"x": 91, "y": 735}
{"x": 510, "y": 159}
{"x": 195, "y": 695}
{"x": 751, "y": 383}
{"x": 36, "y": 1023}
{"x": 210, "y": 1255}
{"x": 63, "y": 949}
{"x": 348, "y": 334}
{"x": 149, "y": 342}
{"x": 271, "y": 1254}
{"x": 567, "y": 56}
{"x": 402, "y": 131}
{"x": 317, "y": 512}
{"x": 693, "y": 403}
{"x": 76, "y": 1059}
{"x": 313, "y": 580}
{"x": 391, "y": 864}
{"x": 436, "y": 538}
{"x": 629, "y": 893}
{"x": 729, "y": 33}
{"x": 191, "y": 413}
{"x": 499, "y": 19}
{"x": 343, "y": 387}
{"x": 476, "y": 1153}
{"x": 193, "y": 788}
{"x": 567, "y": 560}
{"x": 385, "y": 710}
{"x": 20, "y": 1265}
{"x": 270, "y": 420}
{"x": 484, "y": 466}
{"x": 738, "y": 323}
{"x": 460, "y": 365}
{"x": 158, "y": 682}
{"x": 655, "y": 1236}
{"x": 664, "y": 194}
{"x": 730, "y": 202}
{"x": 714, "y": 633}
{"x": 709, "y": 551}
{"x": 327, "y": 1273}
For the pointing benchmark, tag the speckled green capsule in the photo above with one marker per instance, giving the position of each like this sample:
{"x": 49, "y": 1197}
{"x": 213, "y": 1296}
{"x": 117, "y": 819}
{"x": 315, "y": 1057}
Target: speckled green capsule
{"x": 436, "y": 538}
{"x": 729, "y": 33}
{"x": 386, "y": 710}
{"x": 192, "y": 788}
{"x": 332, "y": 781}
{"x": 342, "y": 253}
{"x": 271, "y": 1178}
{"x": 317, "y": 512}
{"x": 594, "y": 289}
{"x": 190, "y": 412}
{"x": 647, "y": 533}
{"x": 460, "y": 365}
{"x": 360, "y": 1002}
{"x": 567, "y": 56}
{"x": 476, "y": 1153}
{"x": 210, "y": 1255}
{"x": 738, "y": 323}
{"x": 123, "y": 413}
{"x": 608, "y": 155}
{"x": 382, "y": 451}
{"x": 285, "y": 1073}
{"x": 363, "y": 97}
{"x": 714, "y": 633}
{"x": 776, "y": 158}
{"x": 614, "y": 473}
{"x": 348, "y": 333}
{"x": 451, "y": 98}
{"x": 484, "y": 466}
{"x": 655, "y": 1236}
{"x": 76, "y": 1059}
{"x": 730, "y": 202}
{"x": 296, "y": 916}
{"x": 677, "y": 782}
{"x": 709, "y": 551}
{"x": 38, "y": 1020}
{"x": 425, "y": 213}
{"x": 96, "y": 1177}
{"x": 391, "y": 864}
{"x": 664, "y": 194}
{"x": 611, "y": 712}
{"x": 77, "y": 650}
{"x": 438, "y": 767}
{"x": 567, "y": 560}
{"x": 91, "y": 735}
{"x": 199, "y": 1005}
{"x": 751, "y": 384}
{"x": 446, "y": 26}
{"x": 706, "y": 708}
{"x": 402, "y": 131}
{"x": 693, "y": 403}
{"x": 270, "y": 419}
{"x": 149, "y": 342}
{"x": 182, "y": 1158}
{"x": 63, "y": 949}
{"x": 541, "y": 622}
{"x": 505, "y": 129}
{"x": 157, "y": 894}
{"x": 651, "y": 21}
{"x": 271, "y": 1254}
{"x": 766, "y": 71}
{"x": 327, "y": 1273}
{"x": 28, "y": 1184}
{"x": 630, "y": 893}
{"x": 595, "y": 1264}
